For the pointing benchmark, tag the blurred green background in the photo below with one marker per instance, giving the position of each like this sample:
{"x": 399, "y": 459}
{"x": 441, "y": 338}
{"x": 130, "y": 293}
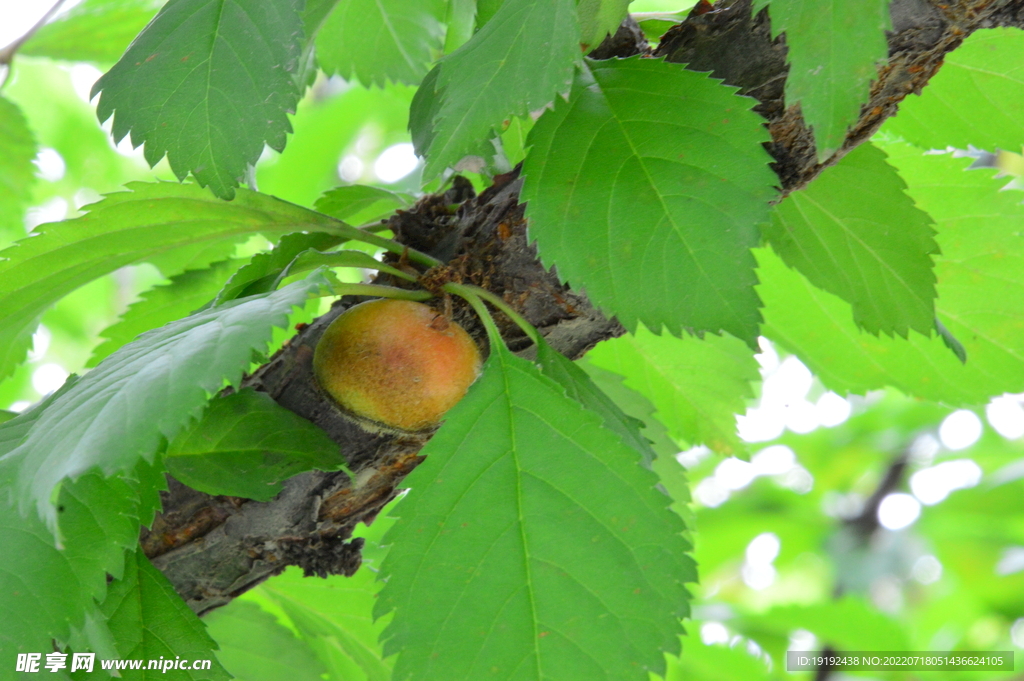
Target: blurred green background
{"x": 794, "y": 552}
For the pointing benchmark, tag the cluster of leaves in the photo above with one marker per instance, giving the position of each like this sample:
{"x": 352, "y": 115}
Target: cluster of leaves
{"x": 533, "y": 543}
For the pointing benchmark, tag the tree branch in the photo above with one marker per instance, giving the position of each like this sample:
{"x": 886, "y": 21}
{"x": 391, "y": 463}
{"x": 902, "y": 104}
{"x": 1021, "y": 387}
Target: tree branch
{"x": 737, "y": 47}
{"x": 214, "y": 548}
{"x": 7, "y": 53}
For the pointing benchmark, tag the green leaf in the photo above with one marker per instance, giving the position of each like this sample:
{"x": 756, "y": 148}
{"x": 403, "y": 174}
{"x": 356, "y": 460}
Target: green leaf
{"x": 146, "y": 391}
{"x": 94, "y": 30}
{"x": 532, "y": 544}
{"x": 847, "y": 624}
{"x": 254, "y": 647}
{"x": 260, "y": 275}
{"x": 976, "y": 98}
{"x": 100, "y": 519}
{"x": 40, "y": 591}
{"x": 516, "y": 64}
{"x": 599, "y": 19}
{"x": 207, "y": 84}
{"x": 646, "y": 189}
{"x": 186, "y": 293}
{"x": 48, "y": 591}
{"x": 578, "y": 386}
{"x": 835, "y": 47}
{"x": 460, "y": 24}
{"x": 818, "y": 327}
{"x": 245, "y": 444}
{"x": 149, "y": 621}
{"x": 855, "y": 232}
{"x": 17, "y": 173}
{"x": 715, "y": 663}
{"x": 980, "y": 296}
{"x": 181, "y": 224}
{"x": 485, "y": 11}
{"x": 696, "y": 385}
{"x": 376, "y": 42}
{"x": 360, "y": 204}
{"x": 333, "y": 616}
{"x": 671, "y": 473}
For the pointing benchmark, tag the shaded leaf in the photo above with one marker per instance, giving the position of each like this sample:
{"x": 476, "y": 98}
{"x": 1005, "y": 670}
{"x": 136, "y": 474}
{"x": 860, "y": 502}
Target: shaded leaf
{"x": 165, "y": 223}
{"x": 854, "y": 232}
{"x": 834, "y": 48}
{"x": 186, "y": 293}
{"x": 646, "y": 189}
{"x": 208, "y": 84}
{"x": 532, "y": 545}
{"x": 376, "y": 42}
{"x": 516, "y": 64}
{"x": 264, "y": 269}
{"x": 145, "y": 391}
{"x": 48, "y": 591}
{"x": 149, "y": 621}
{"x": 578, "y": 386}
{"x": 17, "y": 173}
{"x": 361, "y": 204}
{"x": 245, "y": 444}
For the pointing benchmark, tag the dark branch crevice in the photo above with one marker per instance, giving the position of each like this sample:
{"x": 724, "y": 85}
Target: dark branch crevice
{"x": 214, "y": 548}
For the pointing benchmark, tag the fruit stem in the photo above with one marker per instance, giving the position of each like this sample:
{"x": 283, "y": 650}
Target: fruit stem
{"x": 465, "y": 290}
{"x": 377, "y": 291}
{"x": 469, "y": 294}
{"x": 349, "y": 232}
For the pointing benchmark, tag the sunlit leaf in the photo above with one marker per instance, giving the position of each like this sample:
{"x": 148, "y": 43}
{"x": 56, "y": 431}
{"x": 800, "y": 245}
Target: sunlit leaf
{"x": 360, "y": 204}
{"x": 980, "y": 297}
{"x": 254, "y": 647}
{"x": 93, "y": 30}
{"x": 186, "y": 293}
{"x": 17, "y": 173}
{"x": 976, "y": 98}
{"x": 855, "y": 232}
{"x": 333, "y": 616}
{"x": 697, "y": 385}
{"x": 599, "y": 19}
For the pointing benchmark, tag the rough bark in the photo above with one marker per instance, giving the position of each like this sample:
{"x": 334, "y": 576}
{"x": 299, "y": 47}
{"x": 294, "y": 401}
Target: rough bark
{"x": 214, "y": 548}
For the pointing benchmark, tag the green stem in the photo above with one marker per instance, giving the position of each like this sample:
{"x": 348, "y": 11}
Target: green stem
{"x": 349, "y": 232}
{"x": 378, "y": 291}
{"x": 470, "y": 295}
{"x": 462, "y": 290}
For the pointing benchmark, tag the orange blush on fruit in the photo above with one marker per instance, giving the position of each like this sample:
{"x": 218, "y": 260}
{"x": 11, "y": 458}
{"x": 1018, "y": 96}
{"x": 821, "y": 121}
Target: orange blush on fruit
{"x": 396, "y": 363}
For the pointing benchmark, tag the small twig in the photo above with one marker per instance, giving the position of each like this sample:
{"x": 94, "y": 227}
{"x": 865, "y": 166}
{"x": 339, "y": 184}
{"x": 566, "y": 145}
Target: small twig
{"x": 7, "y": 53}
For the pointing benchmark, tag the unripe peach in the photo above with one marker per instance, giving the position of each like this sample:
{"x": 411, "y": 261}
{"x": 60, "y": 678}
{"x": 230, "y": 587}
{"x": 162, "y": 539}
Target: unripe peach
{"x": 396, "y": 363}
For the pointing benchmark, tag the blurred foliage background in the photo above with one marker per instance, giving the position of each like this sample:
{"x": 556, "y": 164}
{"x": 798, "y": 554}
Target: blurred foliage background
{"x": 872, "y": 522}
